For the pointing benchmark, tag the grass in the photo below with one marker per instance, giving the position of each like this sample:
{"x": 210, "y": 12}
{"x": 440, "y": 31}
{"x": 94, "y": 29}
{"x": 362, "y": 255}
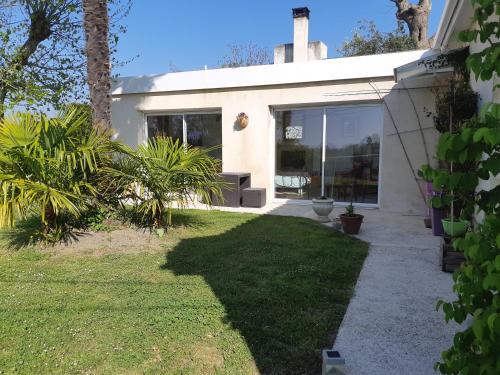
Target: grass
{"x": 226, "y": 294}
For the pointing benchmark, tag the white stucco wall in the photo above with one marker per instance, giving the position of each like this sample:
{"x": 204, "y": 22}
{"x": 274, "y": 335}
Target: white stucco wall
{"x": 252, "y": 149}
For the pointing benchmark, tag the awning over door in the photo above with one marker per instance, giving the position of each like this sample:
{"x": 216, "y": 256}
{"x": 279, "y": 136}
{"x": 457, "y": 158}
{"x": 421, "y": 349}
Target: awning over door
{"x": 435, "y": 64}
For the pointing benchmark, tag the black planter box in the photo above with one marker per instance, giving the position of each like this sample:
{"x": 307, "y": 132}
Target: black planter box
{"x": 254, "y": 197}
{"x": 233, "y": 194}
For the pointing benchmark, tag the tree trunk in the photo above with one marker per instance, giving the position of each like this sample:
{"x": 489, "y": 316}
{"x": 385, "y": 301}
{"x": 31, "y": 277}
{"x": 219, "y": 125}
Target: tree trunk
{"x": 416, "y": 17}
{"x": 96, "y": 25}
{"x": 3, "y": 98}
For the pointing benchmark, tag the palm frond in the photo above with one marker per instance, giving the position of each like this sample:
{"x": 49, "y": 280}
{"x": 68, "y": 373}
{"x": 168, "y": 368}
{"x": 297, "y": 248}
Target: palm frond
{"x": 49, "y": 162}
{"x": 164, "y": 172}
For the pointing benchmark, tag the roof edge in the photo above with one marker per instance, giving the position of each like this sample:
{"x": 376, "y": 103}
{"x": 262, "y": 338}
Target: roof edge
{"x": 357, "y": 67}
{"x": 453, "y": 11}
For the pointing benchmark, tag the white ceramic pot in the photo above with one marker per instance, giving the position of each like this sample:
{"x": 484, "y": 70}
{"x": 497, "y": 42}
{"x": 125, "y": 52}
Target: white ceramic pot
{"x": 323, "y": 208}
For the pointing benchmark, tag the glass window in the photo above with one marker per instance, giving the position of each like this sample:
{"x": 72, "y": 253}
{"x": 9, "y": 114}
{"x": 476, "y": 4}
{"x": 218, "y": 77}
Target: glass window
{"x": 352, "y": 149}
{"x": 165, "y": 126}
{"x": 202, "y": 130}
{"x": 205, "y": 130}
{"x": 299, "y": 137}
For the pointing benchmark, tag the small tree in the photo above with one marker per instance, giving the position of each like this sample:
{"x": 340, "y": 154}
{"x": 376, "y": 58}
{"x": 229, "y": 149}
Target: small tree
{"x": 163, "y": 173}
{"x": 41, "y": 59}
{"x": 368, "y": 40}
{"x": 50, "y": 164}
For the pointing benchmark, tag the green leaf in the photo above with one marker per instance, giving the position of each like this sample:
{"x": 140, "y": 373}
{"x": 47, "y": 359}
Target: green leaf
{"x": 478, "y": 328}
{"x": 473, "y": 62}
{"x": 454, "y": 179}
{"x": 462, "y": 158}
{"x": 466, "y": 135}
{"x": 494, "y": 323}
{"x": 469, "y": 182}
{"x": 492, "y": 164}
{"x": 491, "y": 281}
{"x": 483, "y": 174}
{"x": 479, "y": 134}
{"x": 467, "y": 35}
{"x": 493, "y": 137}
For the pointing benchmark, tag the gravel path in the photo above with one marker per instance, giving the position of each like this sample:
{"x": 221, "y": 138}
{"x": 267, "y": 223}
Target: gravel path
{"x": 391, "y": 326}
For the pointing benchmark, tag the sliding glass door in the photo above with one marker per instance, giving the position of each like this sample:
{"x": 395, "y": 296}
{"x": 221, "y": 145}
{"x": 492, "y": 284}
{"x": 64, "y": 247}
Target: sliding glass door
{"x": 299, "y": 139}
{"x": 199, "y": 129}
{"x": 329, "y": 151}
{"x": 352, "y": 149}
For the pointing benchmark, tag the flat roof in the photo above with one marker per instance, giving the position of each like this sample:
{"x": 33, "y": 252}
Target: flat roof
{"x": 344, "y": 68}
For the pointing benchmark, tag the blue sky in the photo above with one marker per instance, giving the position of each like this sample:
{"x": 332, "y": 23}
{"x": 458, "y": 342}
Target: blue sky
{"x": 192, "y": 33}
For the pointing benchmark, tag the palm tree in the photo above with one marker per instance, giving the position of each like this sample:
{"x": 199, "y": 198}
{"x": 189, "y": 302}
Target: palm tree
{"x": 96, "y": 25}
{"x": 162, "y": 173}
{"x": 49, "y": 164}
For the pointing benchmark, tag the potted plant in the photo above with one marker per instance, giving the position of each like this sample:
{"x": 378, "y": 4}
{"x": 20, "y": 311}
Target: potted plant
{"x": 454, "y": 227}
{"x": 351, "y": 221}
{"x": 322, "y": 206}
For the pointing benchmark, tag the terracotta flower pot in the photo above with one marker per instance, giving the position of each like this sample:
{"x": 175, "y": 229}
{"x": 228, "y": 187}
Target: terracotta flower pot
{"x": 351, "y": 224}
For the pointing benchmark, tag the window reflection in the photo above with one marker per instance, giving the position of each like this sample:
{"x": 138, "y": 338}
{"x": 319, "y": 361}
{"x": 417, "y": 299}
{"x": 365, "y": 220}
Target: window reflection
{"x": 202, "y": 130}
{"x": 299, "y": 137}
{"x": 352, "y": 149}
{"x": 205, "y": 130}
{"x": 165, "y": 126}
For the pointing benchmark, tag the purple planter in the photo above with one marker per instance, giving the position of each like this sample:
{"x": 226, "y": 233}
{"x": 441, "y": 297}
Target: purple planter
{"x": 436, "y": 214}
{"x": 437, "y": 225}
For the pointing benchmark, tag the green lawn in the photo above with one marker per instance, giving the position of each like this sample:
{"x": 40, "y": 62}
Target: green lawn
{"x": 225, "y": 293}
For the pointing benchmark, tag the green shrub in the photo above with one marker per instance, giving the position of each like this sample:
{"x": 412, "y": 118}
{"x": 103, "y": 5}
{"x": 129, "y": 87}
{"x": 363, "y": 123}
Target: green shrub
{"x": 97, "y": 219}
{"x": 476, "y": 349}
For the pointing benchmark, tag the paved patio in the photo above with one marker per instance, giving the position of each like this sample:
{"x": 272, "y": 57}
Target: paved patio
{"x": 391, "y": 326}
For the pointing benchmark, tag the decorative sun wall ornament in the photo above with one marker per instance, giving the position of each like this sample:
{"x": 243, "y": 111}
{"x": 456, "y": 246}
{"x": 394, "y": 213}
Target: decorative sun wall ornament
{"x": 242, "y": 120}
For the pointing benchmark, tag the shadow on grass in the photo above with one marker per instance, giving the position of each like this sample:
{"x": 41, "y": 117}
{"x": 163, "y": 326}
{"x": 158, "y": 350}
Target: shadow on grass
{"x": 183, "y": 218}
{"x": 28, "y": 232}
{"x": 22, "y": 235}
{"x": 285, "y": 284}
{"x": 180, "y": 218}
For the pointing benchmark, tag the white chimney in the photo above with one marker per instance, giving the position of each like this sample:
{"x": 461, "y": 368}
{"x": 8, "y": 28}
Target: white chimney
{"x": 301, "y": 49}
{"x": 300, "y": 34}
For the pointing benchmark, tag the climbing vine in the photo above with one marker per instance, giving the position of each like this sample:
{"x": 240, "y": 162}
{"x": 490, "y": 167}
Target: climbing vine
{"x": 476, "y": 349}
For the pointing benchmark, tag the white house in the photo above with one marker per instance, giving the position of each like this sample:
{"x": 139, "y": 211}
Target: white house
{"x": 317, "y": 126}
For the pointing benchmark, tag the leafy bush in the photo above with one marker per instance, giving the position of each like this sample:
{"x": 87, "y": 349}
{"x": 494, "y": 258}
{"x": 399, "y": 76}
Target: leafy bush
{"x": 160, "y": 174}
{"x": 476, "y": 350}
{"x": 368, "y": 40}
{"x": 97, "y": 219}
{"x": 458, "y": 101}
{"x": 50, "y": 165}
